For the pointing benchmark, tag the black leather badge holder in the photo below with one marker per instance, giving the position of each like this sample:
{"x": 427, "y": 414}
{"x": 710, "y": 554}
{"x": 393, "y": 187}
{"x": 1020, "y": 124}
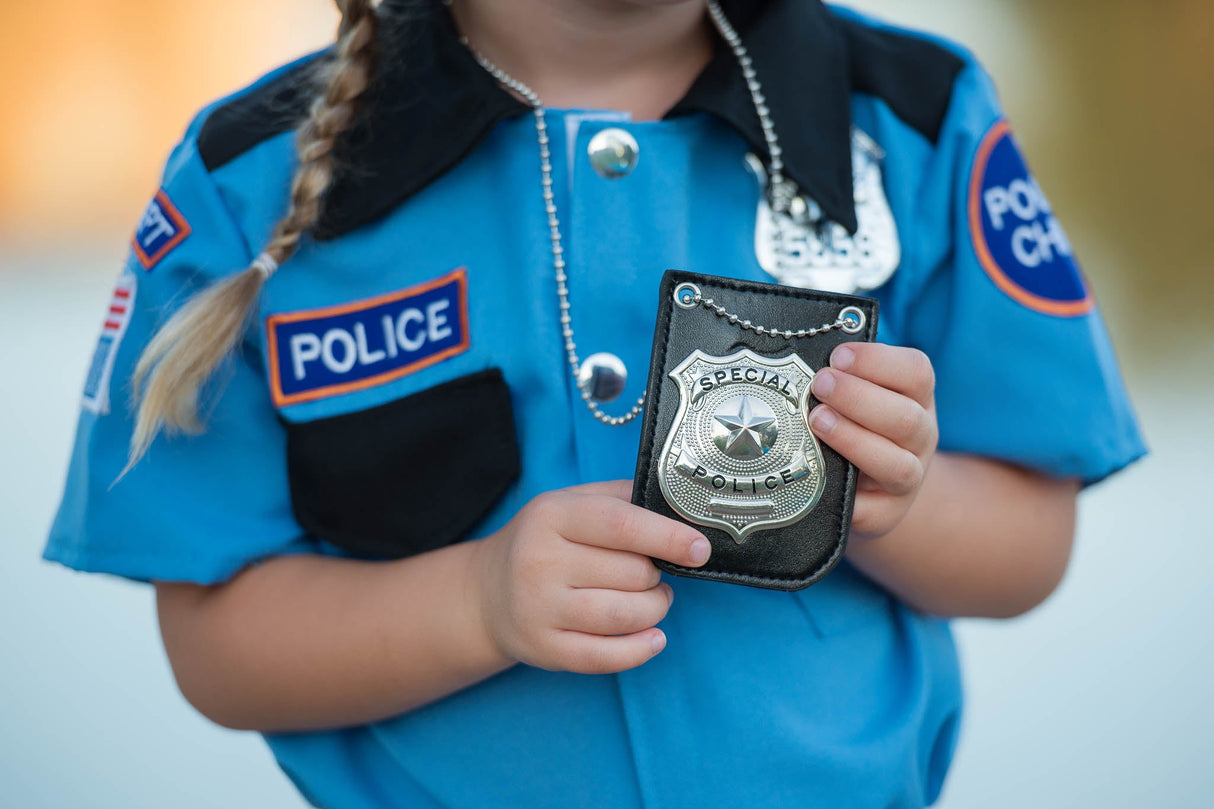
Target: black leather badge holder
{"x": 725, "y": 444}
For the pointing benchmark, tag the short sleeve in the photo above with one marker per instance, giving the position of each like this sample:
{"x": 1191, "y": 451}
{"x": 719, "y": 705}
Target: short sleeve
{"x": 195, "y": 508}
{"x": 1025, "y": 370}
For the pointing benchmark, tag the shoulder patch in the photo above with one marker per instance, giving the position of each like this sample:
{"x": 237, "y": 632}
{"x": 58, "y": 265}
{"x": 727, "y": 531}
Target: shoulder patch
{"x": 161, "y": 229}
{"x": 323, "y": 352}
{"x": 118, "y": 315}
{"x": 1019, "y": 241}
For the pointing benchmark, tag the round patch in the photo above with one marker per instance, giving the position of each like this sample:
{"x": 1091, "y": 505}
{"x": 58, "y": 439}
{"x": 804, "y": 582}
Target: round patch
{"x": 1019, "y": 241}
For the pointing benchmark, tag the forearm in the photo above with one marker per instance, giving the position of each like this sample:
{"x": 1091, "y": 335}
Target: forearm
{"x": 982, "y": 539}
{"x": 305, "y": 642}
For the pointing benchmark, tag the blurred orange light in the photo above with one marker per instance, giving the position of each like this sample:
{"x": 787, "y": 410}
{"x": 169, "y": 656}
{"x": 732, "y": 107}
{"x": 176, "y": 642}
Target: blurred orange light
{"x": 98, "y": 91}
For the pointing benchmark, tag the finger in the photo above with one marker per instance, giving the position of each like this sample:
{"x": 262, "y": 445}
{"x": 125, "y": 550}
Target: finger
{"x": 608, "y": 523}
{"x": 874, "y": 512}
{"x": 619, "y": 489}
{"x": 897, "y": 470}
{"x": 614, "y": 570}
{"x": 867, "y": 484}
{"x": 897, "y": 417}
{"x": 598, "y": 654}
{"x": 905, "y": 370}
{"x": 612, "y": 612}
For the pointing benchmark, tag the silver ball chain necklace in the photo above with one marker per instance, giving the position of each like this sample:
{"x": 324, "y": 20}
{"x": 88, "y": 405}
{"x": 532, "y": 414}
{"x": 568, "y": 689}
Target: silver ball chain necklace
{"x": 781, "y": 190}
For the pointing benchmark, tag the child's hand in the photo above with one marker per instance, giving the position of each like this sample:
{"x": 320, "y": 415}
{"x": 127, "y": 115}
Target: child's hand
{"x": 568, "y": 583}
{"x": 879, "y": 412}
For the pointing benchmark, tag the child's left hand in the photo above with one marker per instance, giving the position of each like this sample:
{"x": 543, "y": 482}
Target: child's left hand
{"x": 878, "y": 410}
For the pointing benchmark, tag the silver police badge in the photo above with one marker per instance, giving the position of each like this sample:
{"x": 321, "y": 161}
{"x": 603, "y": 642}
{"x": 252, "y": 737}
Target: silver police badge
{"x": 802, "y": 248}
{"x": 740, "y": 455}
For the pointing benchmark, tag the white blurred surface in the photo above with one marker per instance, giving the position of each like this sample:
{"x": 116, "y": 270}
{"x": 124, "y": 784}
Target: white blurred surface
{"x": 89, "y": 714}
{"x": 1100, "y": 698}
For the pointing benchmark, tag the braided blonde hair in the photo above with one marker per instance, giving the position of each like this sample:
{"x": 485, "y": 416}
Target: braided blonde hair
{"x": 187, "y": 349}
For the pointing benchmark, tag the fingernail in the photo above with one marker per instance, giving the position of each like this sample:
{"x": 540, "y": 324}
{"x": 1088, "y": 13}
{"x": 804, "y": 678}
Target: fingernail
{"x": 842, "y": 358}
{"x": 823, "y": 384}
{"x": 658, "y": 641}
{"x": 822, "y": 420}
{"x": 669, "y": 592}
{"x": 700, "y": 551}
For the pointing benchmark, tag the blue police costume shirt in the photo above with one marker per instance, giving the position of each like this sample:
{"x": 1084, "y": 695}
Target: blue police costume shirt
{"x": 431, "y": 265}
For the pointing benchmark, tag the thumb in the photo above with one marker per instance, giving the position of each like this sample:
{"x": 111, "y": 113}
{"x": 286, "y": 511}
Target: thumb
{"x": 619, "y": 489}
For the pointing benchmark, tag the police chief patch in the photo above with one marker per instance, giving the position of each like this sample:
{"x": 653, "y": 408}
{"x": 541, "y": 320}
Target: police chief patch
{"x": 161, "y": 228}
{"x": 1019, "y": 241}
{"x": 316, "y": 353}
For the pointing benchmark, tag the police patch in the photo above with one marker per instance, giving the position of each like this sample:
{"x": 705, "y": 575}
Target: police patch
{"x": 161, "y": 228}
{"x": 1019, "y": 241}
{"x": 97, "y": 383}
{"x": 323, "y": 352}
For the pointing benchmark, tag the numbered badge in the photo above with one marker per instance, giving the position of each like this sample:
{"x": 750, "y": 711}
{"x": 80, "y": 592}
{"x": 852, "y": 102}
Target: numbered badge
{"x": 801, "y": 247}
{"x": 740, "y": 455}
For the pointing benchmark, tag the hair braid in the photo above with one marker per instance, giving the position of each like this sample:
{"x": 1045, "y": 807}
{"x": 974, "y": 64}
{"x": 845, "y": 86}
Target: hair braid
{"x": 187, "y": 349}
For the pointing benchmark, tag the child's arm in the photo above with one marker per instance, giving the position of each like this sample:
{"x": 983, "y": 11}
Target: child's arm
{"x": 304, "y": 642}
{"x": 951, "y": 535}
{"x": 983, "y": 539}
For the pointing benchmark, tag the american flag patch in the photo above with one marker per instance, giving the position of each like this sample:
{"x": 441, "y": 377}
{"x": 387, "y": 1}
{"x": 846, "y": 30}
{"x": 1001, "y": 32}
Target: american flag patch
{"x": 97, "y": 383}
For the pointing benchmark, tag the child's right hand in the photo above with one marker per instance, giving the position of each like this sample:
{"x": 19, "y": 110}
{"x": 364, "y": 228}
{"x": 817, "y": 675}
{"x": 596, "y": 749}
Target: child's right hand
{"x": 568, "y": 584}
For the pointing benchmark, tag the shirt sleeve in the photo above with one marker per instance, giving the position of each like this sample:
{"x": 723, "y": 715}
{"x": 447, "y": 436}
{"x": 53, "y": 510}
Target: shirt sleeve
{"x": 195, "y": 508}
{"x": 1025, "y": 370}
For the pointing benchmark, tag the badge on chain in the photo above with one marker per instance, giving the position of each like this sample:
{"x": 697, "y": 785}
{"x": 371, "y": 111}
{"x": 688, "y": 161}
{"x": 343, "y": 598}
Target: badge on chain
{"x": 726, "y": 443}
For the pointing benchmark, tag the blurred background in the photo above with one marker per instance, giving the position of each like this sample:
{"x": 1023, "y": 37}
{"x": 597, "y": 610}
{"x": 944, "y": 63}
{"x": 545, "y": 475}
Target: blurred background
{"x": 1100, "y": 698}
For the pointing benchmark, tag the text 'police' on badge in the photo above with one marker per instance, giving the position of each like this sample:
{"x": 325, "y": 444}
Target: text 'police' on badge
{"x": 323, "y": 352}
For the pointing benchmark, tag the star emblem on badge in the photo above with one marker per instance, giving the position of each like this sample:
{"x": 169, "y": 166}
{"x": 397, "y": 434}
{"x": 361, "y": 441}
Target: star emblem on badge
{"x": 744, "y": 427}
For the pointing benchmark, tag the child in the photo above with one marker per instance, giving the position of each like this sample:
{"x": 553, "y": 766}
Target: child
{"x": 398, "y": 539}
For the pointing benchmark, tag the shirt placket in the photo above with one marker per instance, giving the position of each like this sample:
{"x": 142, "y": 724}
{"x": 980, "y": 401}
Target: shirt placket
{"x": 620, "y": 236}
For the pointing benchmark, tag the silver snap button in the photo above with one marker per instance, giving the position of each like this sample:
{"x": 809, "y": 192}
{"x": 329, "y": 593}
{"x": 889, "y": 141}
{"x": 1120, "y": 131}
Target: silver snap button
{"x": 602, "y": 376}
{"x": 613, "y": 153}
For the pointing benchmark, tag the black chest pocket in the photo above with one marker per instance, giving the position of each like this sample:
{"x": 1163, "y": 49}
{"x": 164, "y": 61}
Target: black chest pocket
{"x": 408, "y": 476}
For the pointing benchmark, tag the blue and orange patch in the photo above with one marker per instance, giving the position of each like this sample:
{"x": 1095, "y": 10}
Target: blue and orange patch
{"x": 161, "y": 229}
{"x": 316, "y": 353}
{"x": 1017, "y": 238}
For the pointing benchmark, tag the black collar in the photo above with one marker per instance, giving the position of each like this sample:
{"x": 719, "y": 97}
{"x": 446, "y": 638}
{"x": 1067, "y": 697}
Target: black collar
{"x": 431, "y": 104}
{"x": 800, "y": 59}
